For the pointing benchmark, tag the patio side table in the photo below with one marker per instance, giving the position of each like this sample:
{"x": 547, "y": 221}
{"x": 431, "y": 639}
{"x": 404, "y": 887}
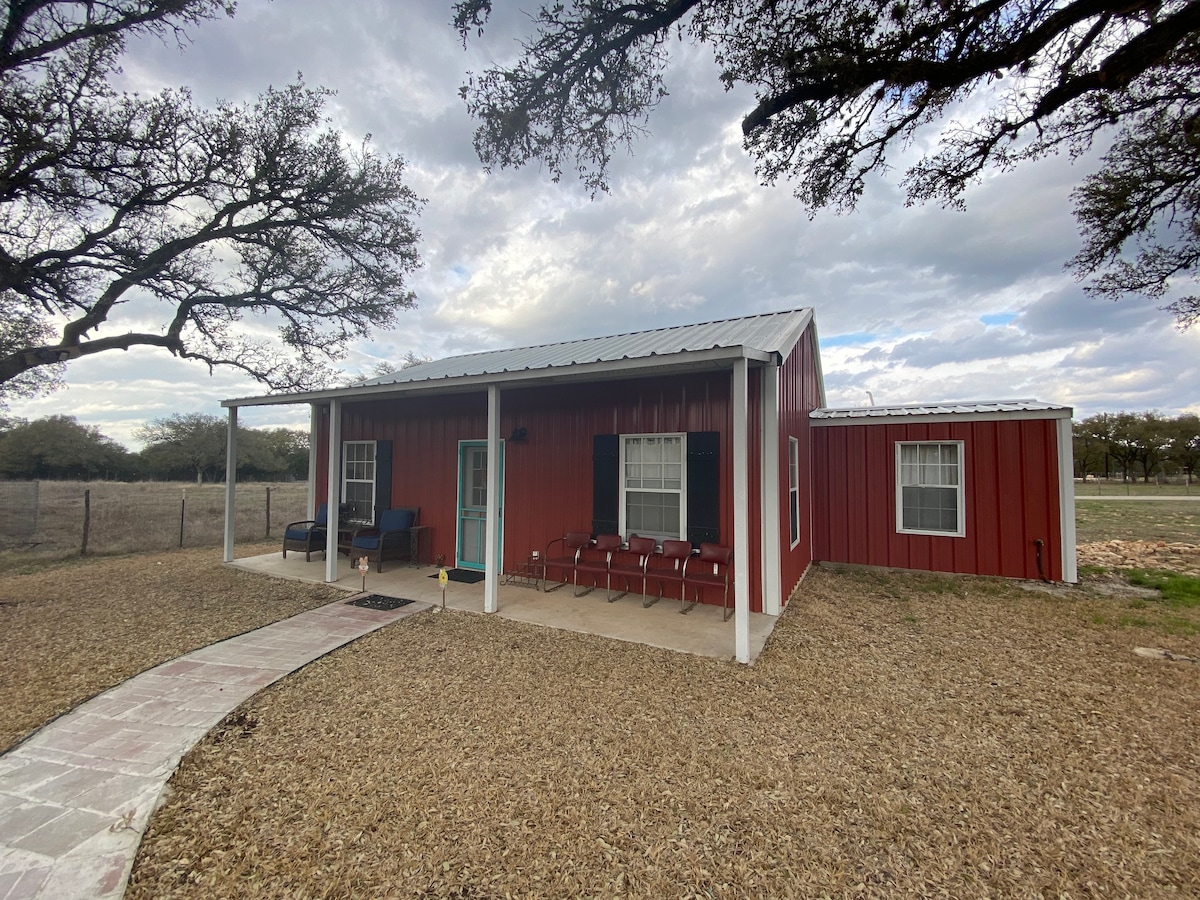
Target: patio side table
{"x": 415, "y": 543}
{"x": 529, "y": 573}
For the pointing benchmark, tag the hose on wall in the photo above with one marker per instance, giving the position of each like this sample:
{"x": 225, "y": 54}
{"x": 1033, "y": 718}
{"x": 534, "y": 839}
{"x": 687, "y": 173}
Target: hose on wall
{"x": 1039, "y": 544}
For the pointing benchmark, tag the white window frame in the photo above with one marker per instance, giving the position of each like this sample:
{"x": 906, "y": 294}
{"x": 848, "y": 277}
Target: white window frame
{"x": 794, "y": 491}
{"x": 960, "y": 493}
{"x": 682, "y": 492}
{"x": 346, "y": 479}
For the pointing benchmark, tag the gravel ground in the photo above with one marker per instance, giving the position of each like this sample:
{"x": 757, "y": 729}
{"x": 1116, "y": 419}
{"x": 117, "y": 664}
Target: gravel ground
{"x": 900, "y": 735}
{"x": 74, "y": 630}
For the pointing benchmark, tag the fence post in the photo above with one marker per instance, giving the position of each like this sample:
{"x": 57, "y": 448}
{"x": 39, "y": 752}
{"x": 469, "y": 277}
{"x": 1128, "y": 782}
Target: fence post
{"x": 182, "y": 507}
{"x": 267, "y": 536}
{"x": 87, "y": 519}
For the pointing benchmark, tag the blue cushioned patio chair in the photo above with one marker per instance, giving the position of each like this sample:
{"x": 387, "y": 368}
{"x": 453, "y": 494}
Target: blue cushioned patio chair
{"x": 308, "y": 535}
{"x": 391, "y": 538}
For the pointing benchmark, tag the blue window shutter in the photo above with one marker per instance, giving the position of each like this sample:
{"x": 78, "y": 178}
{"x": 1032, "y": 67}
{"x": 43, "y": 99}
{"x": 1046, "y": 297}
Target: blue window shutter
{"x": 704, "y": 487}
{"x": 383, "y": 477}
{"x": 606, "y": 487}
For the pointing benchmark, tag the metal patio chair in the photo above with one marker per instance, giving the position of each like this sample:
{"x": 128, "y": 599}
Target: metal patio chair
{"x": 568, "y": 555}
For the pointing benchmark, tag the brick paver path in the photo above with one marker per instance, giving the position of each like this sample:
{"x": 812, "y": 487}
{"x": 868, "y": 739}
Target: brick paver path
{"x": 77, "y": 795}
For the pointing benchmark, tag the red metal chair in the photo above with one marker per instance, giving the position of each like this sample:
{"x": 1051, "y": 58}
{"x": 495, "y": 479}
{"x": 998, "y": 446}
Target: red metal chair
{"x": 676, "y": 553}
{"x": 711, "y": 568}
{"x": 571, "y": 542}
{"x": 631, "y": 563}
{"x": 593, "y": 560}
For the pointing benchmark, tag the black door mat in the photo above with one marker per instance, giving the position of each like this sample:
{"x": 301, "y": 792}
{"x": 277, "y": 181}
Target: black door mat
{"x": 464, "y": 576}
{"x": 375, "y": 601}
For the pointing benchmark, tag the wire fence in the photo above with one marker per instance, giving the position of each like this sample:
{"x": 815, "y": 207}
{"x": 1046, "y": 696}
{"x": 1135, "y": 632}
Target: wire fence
{"x": 59, "y": 518}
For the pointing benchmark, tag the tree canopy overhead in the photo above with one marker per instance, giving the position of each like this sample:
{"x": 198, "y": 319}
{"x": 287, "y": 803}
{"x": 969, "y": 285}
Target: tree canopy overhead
{"x": 840, "y": 84}
{"x": 130, "y": 220}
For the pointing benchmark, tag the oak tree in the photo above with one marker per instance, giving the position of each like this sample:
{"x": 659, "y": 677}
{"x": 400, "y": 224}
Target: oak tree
{"x": 250, "y": 235}
{"x": 842, "y": 84}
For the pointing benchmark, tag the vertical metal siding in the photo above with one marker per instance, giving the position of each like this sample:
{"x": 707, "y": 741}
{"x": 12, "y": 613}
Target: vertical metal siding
{"x": 799, "y": 394}
{"x": 1011, "y": 495}
{"x": 548, "y": 476}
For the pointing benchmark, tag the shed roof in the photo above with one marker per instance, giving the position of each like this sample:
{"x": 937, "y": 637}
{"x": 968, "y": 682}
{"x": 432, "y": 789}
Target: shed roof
{"x": 962, "y": 409}
{"x": 765, "y": 337}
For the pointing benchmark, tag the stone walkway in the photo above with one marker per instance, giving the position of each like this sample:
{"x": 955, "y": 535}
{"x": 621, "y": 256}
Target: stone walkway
{"x": 77, "y": 795}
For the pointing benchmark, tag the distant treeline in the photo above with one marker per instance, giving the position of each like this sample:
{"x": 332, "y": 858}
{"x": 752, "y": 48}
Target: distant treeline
{"x": 1142, "y": 445}
{"x": 177, "y": 448}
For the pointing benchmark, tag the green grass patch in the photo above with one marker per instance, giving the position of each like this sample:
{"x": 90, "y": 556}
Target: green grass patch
{"x": 1177, "y": 590}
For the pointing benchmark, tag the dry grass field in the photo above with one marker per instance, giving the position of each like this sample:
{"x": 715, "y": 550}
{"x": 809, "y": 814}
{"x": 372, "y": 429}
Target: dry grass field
{"x": 71, "y": 630}
{"x": 901, "y": 735}
{"x": 144, "y": 516}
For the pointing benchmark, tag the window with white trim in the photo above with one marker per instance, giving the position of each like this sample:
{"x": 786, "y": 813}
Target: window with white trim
{"x": 654, "y": 485}
{"x": 929, "y": 488}
{"x": 794, "y": 489}
{"x": 358, "y": 480}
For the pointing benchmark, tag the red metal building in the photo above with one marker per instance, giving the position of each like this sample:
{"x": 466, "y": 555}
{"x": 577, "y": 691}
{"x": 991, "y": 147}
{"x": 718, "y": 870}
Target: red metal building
{"x": 715, "y": 432}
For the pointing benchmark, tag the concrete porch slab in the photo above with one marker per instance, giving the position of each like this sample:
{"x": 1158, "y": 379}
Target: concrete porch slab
{"x": 701, "y": 632}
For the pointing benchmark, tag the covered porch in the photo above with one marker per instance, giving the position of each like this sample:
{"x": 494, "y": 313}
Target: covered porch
{"x": 701, "y": 632}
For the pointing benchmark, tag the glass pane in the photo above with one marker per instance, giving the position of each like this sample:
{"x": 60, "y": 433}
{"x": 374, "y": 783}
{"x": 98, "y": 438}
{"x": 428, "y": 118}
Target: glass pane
{"x": 929, "y": 509}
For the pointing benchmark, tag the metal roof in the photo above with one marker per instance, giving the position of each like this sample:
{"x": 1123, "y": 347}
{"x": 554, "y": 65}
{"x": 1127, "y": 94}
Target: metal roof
{"x": 769, "y": 333}
{"x": 979, "y": 409}
{"x": 765, "y": 337}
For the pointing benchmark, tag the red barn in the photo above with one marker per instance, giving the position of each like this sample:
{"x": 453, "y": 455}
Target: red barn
{"x": 714, "y": 433}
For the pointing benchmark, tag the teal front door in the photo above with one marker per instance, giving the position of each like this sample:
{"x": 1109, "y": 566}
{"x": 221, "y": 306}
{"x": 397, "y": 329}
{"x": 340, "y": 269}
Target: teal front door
{"x": 472, "y": 503}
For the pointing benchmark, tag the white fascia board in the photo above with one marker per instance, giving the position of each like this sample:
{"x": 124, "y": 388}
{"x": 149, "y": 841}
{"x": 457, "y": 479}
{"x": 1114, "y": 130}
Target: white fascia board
{"x": 918, "y": 419}
{"x": 717, "y": 358}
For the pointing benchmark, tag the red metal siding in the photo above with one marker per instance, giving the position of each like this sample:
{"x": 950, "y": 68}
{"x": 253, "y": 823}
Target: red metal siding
{"x": 548, "y": 476}
{"x": 1010, "y": 480}
{"x": 799, "y": 394}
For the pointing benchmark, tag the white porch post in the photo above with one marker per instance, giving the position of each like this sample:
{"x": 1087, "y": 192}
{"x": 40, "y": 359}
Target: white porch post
{"x": 334, "y": 481}
{"x": 741, "y": 515}
{"x": 491, "y": 580}
{"x": 769, "y": 498}
{"x": 314, "y": 419}
{"x": 230, "y": 482}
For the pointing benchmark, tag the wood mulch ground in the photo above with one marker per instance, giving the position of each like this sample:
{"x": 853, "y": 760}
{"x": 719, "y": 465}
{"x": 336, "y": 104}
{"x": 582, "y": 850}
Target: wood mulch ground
{"x": 901, "y": 735}
{"x": 71, "y": 631}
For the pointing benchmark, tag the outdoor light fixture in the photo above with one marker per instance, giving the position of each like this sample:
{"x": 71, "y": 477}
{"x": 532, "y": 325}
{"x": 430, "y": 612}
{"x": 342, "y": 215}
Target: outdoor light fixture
{"x": 518, "y": 435}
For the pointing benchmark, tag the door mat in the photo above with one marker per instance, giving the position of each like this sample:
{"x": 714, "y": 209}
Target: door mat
{"x": 375, "y": 601}
{"x": 464, "y": 576}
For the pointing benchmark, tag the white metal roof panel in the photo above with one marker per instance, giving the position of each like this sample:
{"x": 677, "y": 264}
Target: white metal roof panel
{"x": 978, "y": 409}
{"x": 774, "y": 333}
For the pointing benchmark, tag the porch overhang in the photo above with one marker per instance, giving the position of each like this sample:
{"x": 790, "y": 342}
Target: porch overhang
{"x": 715, "y": 359}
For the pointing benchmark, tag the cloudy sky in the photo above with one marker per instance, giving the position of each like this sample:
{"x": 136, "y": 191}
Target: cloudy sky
{"x": 912, "y": 304}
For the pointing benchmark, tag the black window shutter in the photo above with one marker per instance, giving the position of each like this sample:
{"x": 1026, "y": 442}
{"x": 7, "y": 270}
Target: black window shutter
{"x": 383, "y": 477}
{"x": 606, "y": 490}
{"x": 703, "y": 487}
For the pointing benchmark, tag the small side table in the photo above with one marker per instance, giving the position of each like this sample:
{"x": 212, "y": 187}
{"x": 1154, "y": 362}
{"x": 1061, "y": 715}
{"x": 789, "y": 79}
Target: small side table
{"x": 529, "y": 573}
{"x": 415, "y": 533}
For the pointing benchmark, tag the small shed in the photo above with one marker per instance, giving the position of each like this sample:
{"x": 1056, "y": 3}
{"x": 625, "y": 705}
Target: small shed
{"x": 983, "y": 488}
